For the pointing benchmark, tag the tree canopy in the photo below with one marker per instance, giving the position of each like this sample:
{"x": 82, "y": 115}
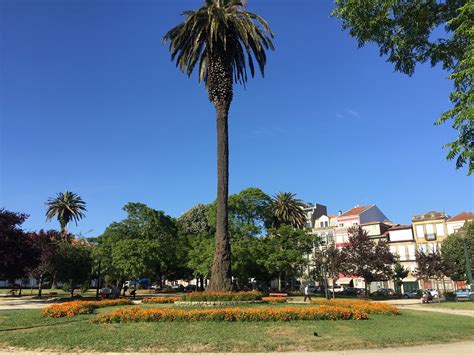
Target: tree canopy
{"x": 411, "y": 32}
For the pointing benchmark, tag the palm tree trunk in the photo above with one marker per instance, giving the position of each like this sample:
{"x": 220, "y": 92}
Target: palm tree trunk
{"x": 221, "y": 269}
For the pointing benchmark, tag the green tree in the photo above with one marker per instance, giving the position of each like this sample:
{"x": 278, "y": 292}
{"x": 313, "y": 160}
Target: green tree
{"x": 195, "y": 221}
{"x": 285, "y": 252}
{"x": 399, "y": 273}
{"x": 335, "y": 263}
{"x": 287, "y": 209}
{"x": 223, "y": 38}
{"x": 452, "y": 249}
{"x": 73, "y": 264}
{"x": 200, "y": 255}
{"x": 67, "y": 207}
{"x": 407, "y": 33}
{"x": 145, "y": 243}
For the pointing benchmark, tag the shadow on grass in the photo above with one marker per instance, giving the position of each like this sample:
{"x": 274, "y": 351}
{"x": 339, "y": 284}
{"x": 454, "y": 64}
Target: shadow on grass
{"x": 41, "y": 326}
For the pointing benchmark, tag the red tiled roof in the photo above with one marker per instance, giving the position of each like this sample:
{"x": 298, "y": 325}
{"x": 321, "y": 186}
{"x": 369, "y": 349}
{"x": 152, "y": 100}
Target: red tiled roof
{"x": 356, "y": 211}
{"x": 399, "y": 226}
{"x": 463, "y": 216}
{"x": 332, "y": 215}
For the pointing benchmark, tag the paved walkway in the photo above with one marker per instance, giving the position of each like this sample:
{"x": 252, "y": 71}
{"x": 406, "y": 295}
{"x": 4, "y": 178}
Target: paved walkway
{"x": 18, "y": 303}
{"x": 457, "y": 312}
{"x": 464, "y": 348}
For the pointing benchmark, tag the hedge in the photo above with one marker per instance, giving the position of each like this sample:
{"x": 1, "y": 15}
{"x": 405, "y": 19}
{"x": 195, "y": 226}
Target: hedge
{"x": 221, "y": 296}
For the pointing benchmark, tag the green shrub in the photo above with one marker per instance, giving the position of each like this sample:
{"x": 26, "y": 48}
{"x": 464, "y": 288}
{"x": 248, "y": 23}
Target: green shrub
{"x": 221, "y": 296}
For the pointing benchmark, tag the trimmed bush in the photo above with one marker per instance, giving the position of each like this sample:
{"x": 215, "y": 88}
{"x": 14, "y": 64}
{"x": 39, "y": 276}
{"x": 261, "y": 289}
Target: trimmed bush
{"x": 221, "y": 296}
{"x": 160, "y": 300}
{"x": 231, "y": 314}
{"x": 74, "y": 308}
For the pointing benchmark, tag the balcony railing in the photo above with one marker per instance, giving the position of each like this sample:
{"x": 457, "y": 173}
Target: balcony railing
{"x": 430, "y": 236}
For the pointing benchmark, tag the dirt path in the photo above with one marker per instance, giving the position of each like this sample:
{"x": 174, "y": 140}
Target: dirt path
{"x": 13, "y": 304}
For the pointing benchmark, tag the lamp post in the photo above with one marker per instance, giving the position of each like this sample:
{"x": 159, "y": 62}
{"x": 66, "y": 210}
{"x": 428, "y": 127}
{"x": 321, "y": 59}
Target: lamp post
{"x": 324, "y": 259}
{"x": 98, "y": 283}
{"x": 464, "y": 236}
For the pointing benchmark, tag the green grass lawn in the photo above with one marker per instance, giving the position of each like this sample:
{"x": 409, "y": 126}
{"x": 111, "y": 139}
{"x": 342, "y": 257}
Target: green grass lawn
{"x": 466, "y": 305}
{"x": 26, "y": 329}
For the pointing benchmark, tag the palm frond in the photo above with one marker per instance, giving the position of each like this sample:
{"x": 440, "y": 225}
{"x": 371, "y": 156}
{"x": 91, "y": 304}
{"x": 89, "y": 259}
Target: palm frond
{"x": 221, "y": 24}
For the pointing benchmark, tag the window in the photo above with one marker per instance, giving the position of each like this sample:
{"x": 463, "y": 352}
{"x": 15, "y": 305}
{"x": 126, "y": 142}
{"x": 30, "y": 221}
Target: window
{"x": 440, "y": 229}
{"x": 341, "y": 224}
{"x": 321, "y": 224}
{"x": 419, "y": 231}
{"x": 326, "y": 224}
{"x": 355, "y": 223}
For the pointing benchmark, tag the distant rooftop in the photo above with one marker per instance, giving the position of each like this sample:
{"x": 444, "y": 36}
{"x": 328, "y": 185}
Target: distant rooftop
{"x": 399, "y": 226}
{"x": 463, "y": 216}
{"x": 355, "y": 211}
{"x": 430, "y": 216}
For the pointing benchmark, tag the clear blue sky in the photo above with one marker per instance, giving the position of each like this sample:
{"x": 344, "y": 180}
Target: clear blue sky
{"x": 90, "y": 102}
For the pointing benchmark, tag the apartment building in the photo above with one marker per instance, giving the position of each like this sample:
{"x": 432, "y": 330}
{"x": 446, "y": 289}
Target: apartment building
{"x": 430, "y": 230}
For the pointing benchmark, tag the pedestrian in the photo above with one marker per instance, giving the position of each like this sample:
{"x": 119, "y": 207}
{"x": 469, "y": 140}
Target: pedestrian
{"x": 133, "y": 292}
{"x": 125, "y": 289}
{"x": 307, "y": 293}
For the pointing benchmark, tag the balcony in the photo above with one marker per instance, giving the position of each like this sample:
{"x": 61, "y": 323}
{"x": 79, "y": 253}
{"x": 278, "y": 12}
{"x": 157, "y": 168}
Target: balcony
{"x": 430, "y": 236}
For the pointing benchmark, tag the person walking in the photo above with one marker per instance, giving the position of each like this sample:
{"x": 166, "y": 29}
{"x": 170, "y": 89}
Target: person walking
{"x": 307, "y": 293}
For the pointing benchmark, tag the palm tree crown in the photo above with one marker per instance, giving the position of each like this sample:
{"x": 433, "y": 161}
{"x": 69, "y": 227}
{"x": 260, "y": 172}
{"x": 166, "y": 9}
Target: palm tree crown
{"x": 67, "y": 207}
{"x": 222, "y": 30}
{"x": 287, "y": 209}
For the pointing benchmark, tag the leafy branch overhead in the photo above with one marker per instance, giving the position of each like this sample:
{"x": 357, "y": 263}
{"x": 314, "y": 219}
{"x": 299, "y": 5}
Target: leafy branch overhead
{"x": 406, "y": 32}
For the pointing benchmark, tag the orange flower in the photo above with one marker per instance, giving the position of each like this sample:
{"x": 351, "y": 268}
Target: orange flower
{"x": 231, "y": 314}
{"x": 74, "y": 308}
{"x": 274, "y": 299}
{"x": 361, "y": 306}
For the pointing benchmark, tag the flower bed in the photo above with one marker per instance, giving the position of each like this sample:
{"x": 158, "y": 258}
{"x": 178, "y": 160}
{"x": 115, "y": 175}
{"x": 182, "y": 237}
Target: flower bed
{"x": 231, "y": 314}
{"x": 160, "y": 300}
{"x": 221, "y": 296}
{"x": 365, "y": 306}
{"x": 74, "y": 308}
{"x": 274, "y": 299}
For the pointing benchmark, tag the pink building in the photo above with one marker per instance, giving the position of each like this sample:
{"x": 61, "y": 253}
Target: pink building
{"x": 358, "y": 215}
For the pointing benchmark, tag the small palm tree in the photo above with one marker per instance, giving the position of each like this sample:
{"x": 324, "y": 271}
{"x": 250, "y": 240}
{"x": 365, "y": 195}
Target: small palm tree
{"x": 67, "y": 207}
{"x": 222, "y": 39}
{"x": 287, "y": 209}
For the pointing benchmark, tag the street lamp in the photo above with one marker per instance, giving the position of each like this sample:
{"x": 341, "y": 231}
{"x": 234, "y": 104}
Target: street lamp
{"x": 464, "y": 236}
{"x": 324, "y": 260}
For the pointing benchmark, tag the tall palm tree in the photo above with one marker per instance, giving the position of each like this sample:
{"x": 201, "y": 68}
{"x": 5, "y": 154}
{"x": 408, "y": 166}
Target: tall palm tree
{"x": 287, "y": 209}
{"x": 67, "y": 207}
{"x": 224, "y": 39}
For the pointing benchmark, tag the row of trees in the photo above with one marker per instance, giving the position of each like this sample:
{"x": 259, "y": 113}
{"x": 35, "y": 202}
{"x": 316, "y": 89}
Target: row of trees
{"x": 265, "y": 241}
{"x": 268, "y": 242}
{"x": 44, "y": 255}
